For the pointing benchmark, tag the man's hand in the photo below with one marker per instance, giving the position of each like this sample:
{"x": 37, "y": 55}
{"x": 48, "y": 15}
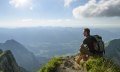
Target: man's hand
{"x": 81, "y": 47}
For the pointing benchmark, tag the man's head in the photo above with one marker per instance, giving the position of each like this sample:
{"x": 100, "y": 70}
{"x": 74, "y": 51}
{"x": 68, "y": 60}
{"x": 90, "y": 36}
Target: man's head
{"x": 86, "y": 32}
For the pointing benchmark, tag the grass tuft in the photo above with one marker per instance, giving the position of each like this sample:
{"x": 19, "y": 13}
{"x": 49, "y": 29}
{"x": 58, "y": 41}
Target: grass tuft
{"x": 51, "y": 65}
{"x": 101, "y": 65}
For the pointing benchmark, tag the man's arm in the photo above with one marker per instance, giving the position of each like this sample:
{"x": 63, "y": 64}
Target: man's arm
{"x": 82, "y": 45}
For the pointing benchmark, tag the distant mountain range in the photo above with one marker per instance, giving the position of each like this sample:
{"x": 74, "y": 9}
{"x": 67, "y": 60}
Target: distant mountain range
{"x": 53, "y": 41}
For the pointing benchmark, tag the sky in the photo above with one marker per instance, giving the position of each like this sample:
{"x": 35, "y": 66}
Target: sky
{"x": 63, "y": 13}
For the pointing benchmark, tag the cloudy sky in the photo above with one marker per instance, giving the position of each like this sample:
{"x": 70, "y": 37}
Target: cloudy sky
{"x": 65, "y": 13}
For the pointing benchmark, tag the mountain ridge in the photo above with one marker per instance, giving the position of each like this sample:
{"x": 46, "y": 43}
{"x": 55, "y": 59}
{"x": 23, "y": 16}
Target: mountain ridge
{"x": 113, "y": 50}
{"x": 24, "y": 58}
{"x": 8, "y": 62}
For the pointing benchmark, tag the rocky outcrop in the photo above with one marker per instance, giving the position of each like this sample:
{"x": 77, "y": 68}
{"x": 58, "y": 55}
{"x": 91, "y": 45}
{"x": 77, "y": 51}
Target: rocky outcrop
{"x": 8, "y": 62}
{"x": 63, "y": 64}
{"x": 69, "y": 65}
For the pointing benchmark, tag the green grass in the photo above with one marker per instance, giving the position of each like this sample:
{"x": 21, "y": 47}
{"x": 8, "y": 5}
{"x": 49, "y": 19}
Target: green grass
{"x": 101, "y": 65}
{"x": 94, "y": 64}
{"x": 51, "y": 65}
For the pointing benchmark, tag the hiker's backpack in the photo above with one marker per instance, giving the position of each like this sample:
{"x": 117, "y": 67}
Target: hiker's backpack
{"x": 99, "y": 48}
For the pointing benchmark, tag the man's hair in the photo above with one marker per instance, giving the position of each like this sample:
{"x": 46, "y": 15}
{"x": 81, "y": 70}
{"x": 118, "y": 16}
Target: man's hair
{"x": 87, "y": 30}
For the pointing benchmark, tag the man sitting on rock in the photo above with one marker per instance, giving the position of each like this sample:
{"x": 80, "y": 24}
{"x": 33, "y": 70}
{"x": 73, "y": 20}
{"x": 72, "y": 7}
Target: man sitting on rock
{"x": 88, "y": 47}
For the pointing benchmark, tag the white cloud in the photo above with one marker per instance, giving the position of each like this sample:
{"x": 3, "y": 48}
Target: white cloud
{"x": 21, "y": 3}
{"x": 68, "y": 2}
{"x": 103, "y": 8}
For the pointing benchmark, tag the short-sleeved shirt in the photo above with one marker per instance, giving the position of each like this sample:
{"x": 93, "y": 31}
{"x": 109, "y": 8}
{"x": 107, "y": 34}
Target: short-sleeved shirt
{"x": 90, "y": 40}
